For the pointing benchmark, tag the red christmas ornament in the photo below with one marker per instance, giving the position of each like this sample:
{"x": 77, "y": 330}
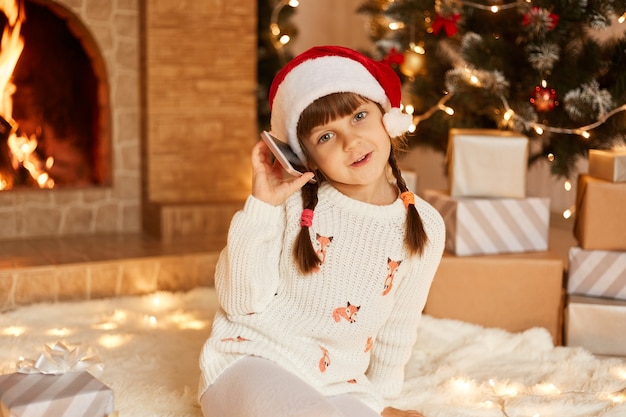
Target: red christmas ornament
{"x": 544, "y": 99}
{"x": 540, "y": 17}
{"x": 394, "y": 57}
{"x": 448, "y": 23}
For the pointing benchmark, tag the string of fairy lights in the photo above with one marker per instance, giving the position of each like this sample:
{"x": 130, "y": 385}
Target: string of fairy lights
{"x": 471, "y": 77}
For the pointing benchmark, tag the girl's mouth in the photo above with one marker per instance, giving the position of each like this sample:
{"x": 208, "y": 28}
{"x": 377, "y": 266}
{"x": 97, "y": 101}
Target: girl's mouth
{"x": 362, "y": 160}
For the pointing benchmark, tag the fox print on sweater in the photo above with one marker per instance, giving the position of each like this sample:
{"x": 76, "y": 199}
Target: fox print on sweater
{"x": 308, "y": 324}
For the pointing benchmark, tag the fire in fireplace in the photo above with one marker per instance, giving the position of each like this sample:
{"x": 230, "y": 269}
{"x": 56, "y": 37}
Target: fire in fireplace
{"x": 49, "y": 113}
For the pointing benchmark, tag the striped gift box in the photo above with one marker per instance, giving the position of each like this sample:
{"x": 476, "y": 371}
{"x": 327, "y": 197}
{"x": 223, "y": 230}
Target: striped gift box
{"x": 597, "y": 273}
{"x": 74, "y": 394}
{"x": 488, "y": 226}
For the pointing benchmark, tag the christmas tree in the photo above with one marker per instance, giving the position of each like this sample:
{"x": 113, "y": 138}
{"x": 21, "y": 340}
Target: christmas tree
{"x": 553, "y": 70}
{"x": 275, "y": 30}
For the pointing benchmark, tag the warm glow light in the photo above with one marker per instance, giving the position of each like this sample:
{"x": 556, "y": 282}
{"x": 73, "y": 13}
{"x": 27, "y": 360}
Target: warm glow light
{"x": 107, "y": 325}
{"x": 412, "y": 128}
{"x": 419, "y": 49}
{"x": 60, "y": 332}
{"x": 193, "y": 325}
{"x": 568, "y": 213}
{"x": 13, "y": 331}
{"x": 622, "y": 18}
{"x": 547, "y": 389}
{"x": 508, "y": 115}
{"x": 396, "y": 25}
{"x": 461, "y": 384}
{"x": 619, "y": 371}
{"x": 504, "y": 390}
{"x": 112, "y": 341}
{"x": 448, "y": 110}
{"x": 551, "y": 157}
{"x": 567, "y": 185}
{"x": 284, "y": 39}
{"x": 409, "y": 109}
{"x": 119, "y": 316}
{"x": 585, "y": 134}
{"x": 539, "y": 130}
{"x": 294, "y": 3}
{"x": 494, "y": 9}
{"x": 474, "y": 79}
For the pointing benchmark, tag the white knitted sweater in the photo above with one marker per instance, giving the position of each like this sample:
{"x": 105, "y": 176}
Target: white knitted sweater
{"x": 309, "y": 323}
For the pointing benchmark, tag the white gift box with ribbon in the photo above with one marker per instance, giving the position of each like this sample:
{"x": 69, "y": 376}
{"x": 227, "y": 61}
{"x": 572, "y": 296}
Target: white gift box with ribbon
{"x": 487, "y": 163}
{"x": 58, "y": 383}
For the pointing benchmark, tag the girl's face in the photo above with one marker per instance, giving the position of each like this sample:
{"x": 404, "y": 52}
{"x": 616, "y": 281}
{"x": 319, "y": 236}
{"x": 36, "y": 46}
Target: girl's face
{"x": 353, "y": 152}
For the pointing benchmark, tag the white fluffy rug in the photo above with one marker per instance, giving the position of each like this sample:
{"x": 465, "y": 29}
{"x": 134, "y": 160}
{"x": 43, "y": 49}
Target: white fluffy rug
{"x": 149, "y": 346}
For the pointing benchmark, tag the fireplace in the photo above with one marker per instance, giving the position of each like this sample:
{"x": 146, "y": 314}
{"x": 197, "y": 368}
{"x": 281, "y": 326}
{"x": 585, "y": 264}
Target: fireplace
{"x": 91, "y": 196}
{"x": 174, "y": 118}
{"x": 56, "y": 101}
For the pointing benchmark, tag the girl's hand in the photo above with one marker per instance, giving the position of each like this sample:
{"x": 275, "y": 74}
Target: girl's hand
{"x": 268, "y": 181}
{"x": 394, "y": 412}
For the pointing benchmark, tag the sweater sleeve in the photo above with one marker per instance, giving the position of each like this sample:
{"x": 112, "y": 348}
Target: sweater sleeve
{"x": 394, "y": 343}
{"x": 247, "y": 271}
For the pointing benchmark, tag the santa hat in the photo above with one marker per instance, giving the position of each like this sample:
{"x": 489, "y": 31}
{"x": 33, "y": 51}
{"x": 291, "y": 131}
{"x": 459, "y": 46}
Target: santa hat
{"x": 325, "y": 70}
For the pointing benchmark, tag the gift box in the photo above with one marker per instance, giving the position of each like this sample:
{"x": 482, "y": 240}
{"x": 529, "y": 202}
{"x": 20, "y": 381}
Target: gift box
{"x": 75, "y": 394}
{"x": 600, "y": 222}
{"x": 479, "y": 226}
{"x": 514, "y": 292}
{"x": 597, "y": 273}
{"x": 487, "y": 163}
{"x": 596, "y": 324}
{"x": 608, "y": 165}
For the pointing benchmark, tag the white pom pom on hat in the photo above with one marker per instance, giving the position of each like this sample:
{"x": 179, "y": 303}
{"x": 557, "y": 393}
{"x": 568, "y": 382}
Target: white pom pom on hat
{"x": 324, "y": 70}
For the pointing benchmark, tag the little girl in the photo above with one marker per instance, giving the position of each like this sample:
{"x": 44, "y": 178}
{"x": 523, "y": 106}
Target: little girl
{"x": 322, "y": 283}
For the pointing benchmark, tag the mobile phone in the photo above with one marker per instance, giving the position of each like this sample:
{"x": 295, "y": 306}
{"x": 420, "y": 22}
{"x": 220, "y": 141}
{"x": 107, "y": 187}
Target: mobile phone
{"x": 283, "y": 153}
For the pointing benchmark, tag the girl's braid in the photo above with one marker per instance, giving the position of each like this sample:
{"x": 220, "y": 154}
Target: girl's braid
{"x": 415, "y": 236}
{"x": 304, "y": 251}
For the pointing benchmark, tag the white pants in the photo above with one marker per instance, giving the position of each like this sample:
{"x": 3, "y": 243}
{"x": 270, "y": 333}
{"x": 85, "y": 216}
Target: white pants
{"x": 257, "y": 387}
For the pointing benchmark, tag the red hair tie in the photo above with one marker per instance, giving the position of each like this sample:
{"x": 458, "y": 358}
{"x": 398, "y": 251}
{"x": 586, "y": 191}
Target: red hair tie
{"x": 407, "y": 198}
{"x": 306, "y": 219}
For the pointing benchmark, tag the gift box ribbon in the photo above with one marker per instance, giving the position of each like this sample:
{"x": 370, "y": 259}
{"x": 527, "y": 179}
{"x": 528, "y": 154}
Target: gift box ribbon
{"x": 59, "y": 359}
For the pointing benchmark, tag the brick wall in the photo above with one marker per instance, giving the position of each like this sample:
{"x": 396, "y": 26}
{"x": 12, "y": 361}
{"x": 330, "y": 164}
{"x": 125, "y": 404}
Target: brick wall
{"x": 200, "y": 113}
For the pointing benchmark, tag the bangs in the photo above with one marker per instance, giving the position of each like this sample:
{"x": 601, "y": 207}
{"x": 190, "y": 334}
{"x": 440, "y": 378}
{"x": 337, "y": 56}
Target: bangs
{"x": 326, "y": 109}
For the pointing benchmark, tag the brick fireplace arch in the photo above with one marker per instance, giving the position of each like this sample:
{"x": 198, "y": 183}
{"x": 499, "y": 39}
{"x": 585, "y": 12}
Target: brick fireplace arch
{"x": 61, "y": 97}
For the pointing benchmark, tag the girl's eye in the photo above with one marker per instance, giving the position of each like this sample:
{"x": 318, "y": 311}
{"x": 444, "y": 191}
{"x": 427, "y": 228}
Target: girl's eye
{"x": 325, "y": 137}
{"x": 360, "y": 115}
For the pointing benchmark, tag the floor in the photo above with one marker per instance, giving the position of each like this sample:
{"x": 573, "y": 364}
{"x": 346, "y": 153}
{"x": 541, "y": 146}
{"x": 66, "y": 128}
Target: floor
{"x": 90, "y": 267}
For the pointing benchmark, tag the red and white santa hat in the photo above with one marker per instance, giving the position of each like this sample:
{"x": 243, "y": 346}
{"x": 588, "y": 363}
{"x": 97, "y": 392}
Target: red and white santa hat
{"x": 325, "y": 70}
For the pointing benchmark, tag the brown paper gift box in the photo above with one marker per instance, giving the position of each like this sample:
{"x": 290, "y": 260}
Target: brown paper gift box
{"x": 600, "y": 221}
{"x": 598, "y": 273}
{"x": 75, "y": 394}
{"x": 487, "y": 163}
{"x": 514, "y": 292}
{"x": 607, "y": 165}
{"x": 489, "y": 226}
{"x": 596, "y": 324}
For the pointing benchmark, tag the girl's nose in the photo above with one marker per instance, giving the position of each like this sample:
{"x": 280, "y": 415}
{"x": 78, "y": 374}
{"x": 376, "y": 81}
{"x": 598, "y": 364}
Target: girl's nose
{"x": 350, "y": 141}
